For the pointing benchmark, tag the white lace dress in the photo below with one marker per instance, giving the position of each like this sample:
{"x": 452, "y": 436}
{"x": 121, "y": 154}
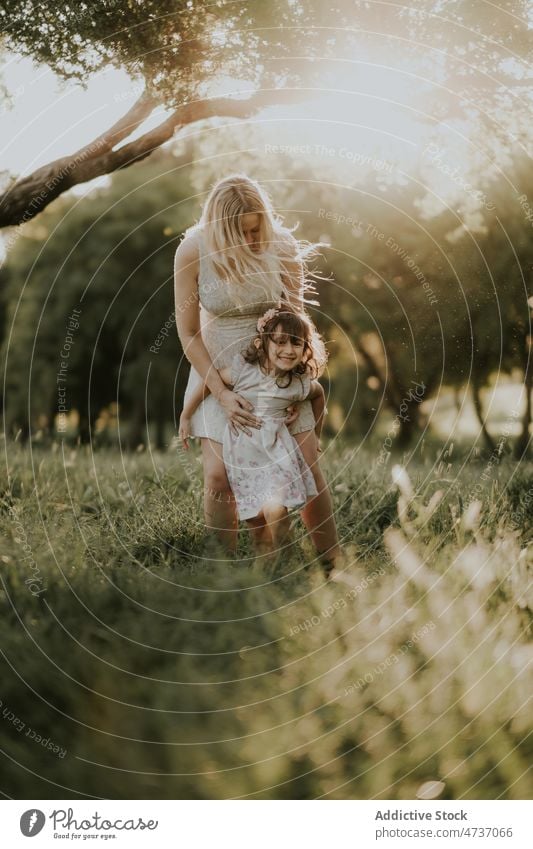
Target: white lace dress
{"x": 227, "y": 328}
{"x": 266, "y": 465}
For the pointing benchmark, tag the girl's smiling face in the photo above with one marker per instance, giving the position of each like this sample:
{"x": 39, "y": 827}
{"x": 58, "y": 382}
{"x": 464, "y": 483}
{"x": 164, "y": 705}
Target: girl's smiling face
{"x": 285, "y": 352}
{"x": 287, "y": 344}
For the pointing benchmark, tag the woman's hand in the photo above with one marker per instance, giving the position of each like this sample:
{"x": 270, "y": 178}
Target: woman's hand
{"x": 238, "y": 411}
{"x": 293, "y": 411}
{"x": 184, "y": 430}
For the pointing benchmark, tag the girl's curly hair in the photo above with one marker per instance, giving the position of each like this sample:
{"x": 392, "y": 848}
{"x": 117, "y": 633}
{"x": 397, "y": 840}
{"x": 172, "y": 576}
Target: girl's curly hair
{"x": 298, "y": 326}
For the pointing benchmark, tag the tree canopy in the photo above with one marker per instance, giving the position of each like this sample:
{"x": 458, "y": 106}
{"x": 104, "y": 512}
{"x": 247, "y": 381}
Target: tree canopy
{"x": 474, "y": 55}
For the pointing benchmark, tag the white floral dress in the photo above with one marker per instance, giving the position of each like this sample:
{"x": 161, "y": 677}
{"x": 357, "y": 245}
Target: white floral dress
{"x": 269, "y": 464}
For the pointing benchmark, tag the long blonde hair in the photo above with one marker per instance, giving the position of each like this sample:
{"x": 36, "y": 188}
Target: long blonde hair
{"x": 233, "y": 259}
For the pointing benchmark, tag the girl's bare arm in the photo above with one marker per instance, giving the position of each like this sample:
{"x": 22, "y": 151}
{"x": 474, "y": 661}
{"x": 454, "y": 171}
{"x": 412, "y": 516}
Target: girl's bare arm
{"x": 225, "y": 374}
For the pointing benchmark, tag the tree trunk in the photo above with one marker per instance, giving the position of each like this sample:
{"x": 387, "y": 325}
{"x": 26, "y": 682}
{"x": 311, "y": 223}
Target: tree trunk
{"x": 478, "y": 407}
{"x": 160, "y": 433}
{"x": 21, "y": 429}
{"x": 137, "y": 426}
{"x": 457, "y": 399}
{"x": 84, "y": 429}
{"x": 521, "y": 448}
{"x": 27, "y": 197}
{"x": 409, "y": 424}
{"x": 402, "y": 401}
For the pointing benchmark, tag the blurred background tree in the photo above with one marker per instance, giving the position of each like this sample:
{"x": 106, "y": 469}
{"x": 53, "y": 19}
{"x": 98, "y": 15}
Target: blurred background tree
{"x": 400, "y": 304}
{"x": 111, "y": 258}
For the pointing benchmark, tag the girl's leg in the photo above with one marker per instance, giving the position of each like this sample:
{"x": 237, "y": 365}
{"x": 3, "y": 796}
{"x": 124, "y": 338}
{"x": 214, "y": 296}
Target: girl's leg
{"x": 277, "y": 519}
{"x": 317, "y": 514}
{"x": 219, "y": 504}
{"x": 261, "y": 536}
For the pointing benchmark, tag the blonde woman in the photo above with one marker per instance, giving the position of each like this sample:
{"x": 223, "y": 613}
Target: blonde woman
{"x": 235, "y": 264}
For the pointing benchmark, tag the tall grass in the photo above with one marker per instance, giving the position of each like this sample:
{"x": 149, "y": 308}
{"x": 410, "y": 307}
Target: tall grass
{"x": 161, "y": 669}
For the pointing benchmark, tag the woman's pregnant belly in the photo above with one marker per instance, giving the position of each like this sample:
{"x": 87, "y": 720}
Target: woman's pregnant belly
{"x": 226, "y": 336}
{"x": 223, "y": 337}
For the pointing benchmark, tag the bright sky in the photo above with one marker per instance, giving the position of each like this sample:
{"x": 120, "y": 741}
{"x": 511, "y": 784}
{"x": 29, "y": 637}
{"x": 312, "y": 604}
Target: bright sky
{"x": 367, "y": 116}
{"x": 50, "y": 119}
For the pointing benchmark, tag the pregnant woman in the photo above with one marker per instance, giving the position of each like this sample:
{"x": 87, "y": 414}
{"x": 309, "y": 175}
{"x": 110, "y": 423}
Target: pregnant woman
{"x": 231, "y": 267}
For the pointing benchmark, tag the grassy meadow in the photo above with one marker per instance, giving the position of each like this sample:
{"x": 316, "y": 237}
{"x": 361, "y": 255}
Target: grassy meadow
{"x": 139, "y": 663}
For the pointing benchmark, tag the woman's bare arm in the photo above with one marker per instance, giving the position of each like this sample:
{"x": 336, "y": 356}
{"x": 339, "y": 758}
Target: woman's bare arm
{"x": 187, "y": 311}
{"x": 202, "y": 391}
{"x": 194, "y": 400}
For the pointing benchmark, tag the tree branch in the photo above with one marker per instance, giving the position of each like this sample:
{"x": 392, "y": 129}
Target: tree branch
{"x": 27, "y": 197}
{"x": 124, "y": 127}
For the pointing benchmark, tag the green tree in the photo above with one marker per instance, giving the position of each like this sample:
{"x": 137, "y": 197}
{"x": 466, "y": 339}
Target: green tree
{"x": 110, "y": 257}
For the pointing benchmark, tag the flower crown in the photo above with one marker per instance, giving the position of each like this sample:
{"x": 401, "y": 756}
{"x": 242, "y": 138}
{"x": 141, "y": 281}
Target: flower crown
{"x": 262, "y": 321}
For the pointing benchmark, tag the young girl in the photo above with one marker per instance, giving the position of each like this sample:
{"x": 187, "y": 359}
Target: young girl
{"x": 265, "y": 467}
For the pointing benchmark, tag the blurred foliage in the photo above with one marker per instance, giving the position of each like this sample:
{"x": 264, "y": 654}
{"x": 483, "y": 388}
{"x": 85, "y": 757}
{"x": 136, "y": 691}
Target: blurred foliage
{"x": 424, "y": 303}
{"x": 173, "y": 45}
{"x": 164, "y": 674}
{"x": 478, "y": 57}
{"x": 407, "y": 300}
{"x": 408, "y": 295}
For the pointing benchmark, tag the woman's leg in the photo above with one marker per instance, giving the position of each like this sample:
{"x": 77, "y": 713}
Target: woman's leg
{"x": 317, "y": 514}
{"x": 219, "y": 503}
